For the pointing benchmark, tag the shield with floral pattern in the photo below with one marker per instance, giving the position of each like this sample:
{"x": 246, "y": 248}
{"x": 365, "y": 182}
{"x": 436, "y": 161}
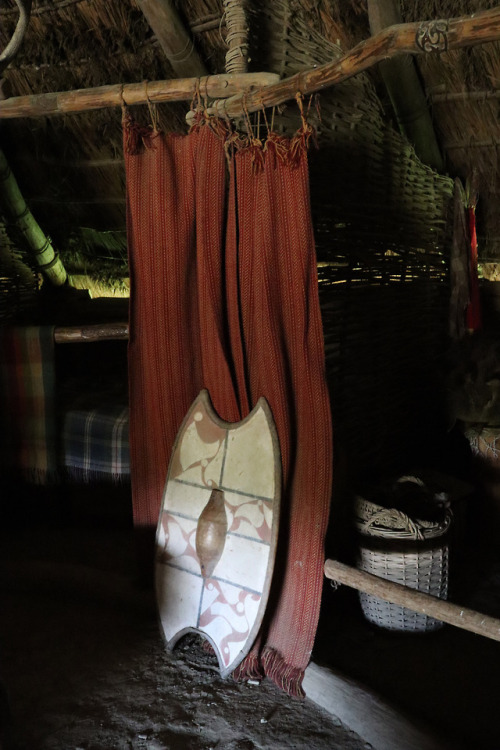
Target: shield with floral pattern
{"x": 217, "y": 531}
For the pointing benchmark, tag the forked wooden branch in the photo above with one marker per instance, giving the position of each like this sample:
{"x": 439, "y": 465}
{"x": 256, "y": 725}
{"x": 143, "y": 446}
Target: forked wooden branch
{"x": 429, "y": 37}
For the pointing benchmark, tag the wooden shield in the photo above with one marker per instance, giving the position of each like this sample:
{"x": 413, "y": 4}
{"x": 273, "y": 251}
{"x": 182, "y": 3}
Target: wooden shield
{"x": 217, "y": 531}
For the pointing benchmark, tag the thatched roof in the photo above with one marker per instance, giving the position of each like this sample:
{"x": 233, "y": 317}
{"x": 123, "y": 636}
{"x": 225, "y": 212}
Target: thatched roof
{"x": 70, "y": 167}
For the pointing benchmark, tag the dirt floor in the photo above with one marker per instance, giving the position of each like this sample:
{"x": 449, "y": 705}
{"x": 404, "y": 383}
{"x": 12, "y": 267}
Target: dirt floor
{"x": 447, "y": 680}
{"x": 83, "y": 664}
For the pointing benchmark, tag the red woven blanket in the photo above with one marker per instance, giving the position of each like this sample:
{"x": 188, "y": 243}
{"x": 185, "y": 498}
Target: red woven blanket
{"x": 225, "y": 297}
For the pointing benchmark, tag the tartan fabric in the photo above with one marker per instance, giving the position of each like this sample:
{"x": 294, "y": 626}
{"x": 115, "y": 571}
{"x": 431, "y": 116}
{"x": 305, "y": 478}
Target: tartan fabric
{"x": 27, "y": 418}
{"x": 232, "y": 307}
{"x": 95, "y": 443}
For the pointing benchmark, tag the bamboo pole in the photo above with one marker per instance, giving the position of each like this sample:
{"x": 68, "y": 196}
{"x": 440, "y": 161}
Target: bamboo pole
{"x": 40, "y": 245}
{"x": 91, "y": 333}
{"x": 101, "y": 97}
{"x": 395, "y": 593}
{"x": 254, "y": 92}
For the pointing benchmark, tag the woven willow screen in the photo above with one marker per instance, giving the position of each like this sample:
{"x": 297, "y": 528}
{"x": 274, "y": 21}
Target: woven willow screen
{"x": 18, "y": 280}
{"x": 383, "y": 233}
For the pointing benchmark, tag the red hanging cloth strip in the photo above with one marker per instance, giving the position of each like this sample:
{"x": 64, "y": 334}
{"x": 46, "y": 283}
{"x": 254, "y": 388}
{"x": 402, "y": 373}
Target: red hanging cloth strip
{"x": 473, "y": 313}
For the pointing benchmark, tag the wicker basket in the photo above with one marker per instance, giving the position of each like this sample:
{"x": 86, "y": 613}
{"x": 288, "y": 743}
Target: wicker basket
{"x": 408, "y": 551}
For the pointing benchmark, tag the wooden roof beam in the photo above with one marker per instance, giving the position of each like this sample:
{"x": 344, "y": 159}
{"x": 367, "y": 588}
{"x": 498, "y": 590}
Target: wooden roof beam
{"x": 174, "y": 39}
{"x": 405, "y": 89}
{"x": 429, "y": 37}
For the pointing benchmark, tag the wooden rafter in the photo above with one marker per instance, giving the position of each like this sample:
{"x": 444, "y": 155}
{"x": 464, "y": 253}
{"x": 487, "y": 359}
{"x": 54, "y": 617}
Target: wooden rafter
{"x": 175, "y": 41}
{"x": 405, "y": 89}
{"x": 430, "y": 37}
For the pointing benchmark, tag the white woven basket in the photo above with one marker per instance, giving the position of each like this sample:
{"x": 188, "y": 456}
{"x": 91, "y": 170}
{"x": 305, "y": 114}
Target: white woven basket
{"x": 425, "y": 568}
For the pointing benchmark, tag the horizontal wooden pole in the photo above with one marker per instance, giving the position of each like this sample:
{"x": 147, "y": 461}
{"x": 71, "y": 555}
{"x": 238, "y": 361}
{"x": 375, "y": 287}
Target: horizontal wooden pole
{"x": 417, "y": 601}
{"x": 462, "y": 96}
{"x": 179, "y": 89}
{"x": 457, "y": 145}
{"x": 91, "y": 333}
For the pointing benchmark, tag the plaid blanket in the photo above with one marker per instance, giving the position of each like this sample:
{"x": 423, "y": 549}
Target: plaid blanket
{"x": 27, "y": 418}
{"x": 96, "y": 443}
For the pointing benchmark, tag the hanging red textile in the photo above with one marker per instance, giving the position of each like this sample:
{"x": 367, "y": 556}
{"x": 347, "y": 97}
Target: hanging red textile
{"x": 273, "y": 291}
{"x": 473, "y": 312}
{"x": 238, "y": 315}
{"x": 173, "y": 305}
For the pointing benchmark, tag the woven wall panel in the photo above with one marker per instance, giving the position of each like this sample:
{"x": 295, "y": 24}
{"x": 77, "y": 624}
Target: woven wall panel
{"x": 383, "y": 236}
{"x": 383, "y": 347}
{"x": 18, "y": 280}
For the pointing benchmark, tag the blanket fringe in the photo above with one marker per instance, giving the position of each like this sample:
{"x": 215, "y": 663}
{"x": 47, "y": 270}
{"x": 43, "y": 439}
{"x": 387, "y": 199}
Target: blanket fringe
{"x": 248, "y": 669}
{"x": 273, "y": 665}
{"x": 286, "y": 677}
{"x": 137, "y": 137}
{"x": 90, "y": 476}
{"x": 29, "y": 475}
{"x": 287, "y": 150}
{"x": 39, "y": 476}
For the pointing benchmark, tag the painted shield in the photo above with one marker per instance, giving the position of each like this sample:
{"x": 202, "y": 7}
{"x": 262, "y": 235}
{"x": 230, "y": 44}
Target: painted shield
{"x": 217, "y": 531}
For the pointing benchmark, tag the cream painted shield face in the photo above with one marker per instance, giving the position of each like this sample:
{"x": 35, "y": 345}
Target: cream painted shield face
{"x": 217, "y": 531}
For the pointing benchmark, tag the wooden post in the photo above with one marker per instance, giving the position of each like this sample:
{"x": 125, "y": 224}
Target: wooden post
{"x": 236, "y": 36}
{"x": 38, "y": 243}
{"x": 440, "y": 609}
